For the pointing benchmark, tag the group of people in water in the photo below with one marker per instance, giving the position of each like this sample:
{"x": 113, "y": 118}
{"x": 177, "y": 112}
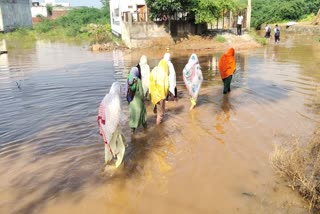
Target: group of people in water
{"x": 276, "y": 33}
{"x": 157, "y": 85}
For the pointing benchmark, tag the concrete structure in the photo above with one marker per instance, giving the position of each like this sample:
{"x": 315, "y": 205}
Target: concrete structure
{"x": 119, "y": 9}
{"x": 59, "y": 11}
{"x": 54, "y": 3}
{"x": 129, "y": 20}
{"x": 15, "y": 14}
{"x": 39, "y": 10}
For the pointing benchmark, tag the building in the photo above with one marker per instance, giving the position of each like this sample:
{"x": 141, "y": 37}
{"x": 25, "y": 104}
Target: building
{"x": 54, "y": 3}
{"x": 129, "y": 21}
{"x": 15, "y": 14}
{"x": 38, "y": 10}
{"x": 120, "y": 10}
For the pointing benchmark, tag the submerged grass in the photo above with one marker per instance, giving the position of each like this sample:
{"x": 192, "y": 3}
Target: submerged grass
{"x": 261, "y": 40}
{"x": 299, "y": 164}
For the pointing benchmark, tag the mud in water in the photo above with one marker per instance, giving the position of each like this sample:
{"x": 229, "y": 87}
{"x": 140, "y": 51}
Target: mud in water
{"x": 214, "y": 159}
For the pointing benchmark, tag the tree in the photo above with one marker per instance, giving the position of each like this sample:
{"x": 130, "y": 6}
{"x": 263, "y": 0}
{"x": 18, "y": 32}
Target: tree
{"x": 207, "y": 11}
{"x": 167, "y": 8}
{"x": 106, "y": 8}
{"x": 272, "y": 11}
{"x": 49, "y": 9}
{"x": 105, "y": 3}
{"x": 160, "y": 8}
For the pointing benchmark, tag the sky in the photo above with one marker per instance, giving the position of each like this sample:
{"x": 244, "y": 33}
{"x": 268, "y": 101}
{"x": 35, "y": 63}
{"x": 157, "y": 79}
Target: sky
{"x": 74, "y": 3}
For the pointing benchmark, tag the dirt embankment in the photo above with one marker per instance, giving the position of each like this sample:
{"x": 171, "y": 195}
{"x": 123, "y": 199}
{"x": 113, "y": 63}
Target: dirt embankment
{"x": 221, "y": 42}
{"x": 195, "y": 43}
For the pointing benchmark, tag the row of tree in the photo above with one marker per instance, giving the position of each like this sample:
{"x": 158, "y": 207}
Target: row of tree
{"x": 272, "y": 11}
{"x": 207, "y": 11}
{"x": 201, "y": 11}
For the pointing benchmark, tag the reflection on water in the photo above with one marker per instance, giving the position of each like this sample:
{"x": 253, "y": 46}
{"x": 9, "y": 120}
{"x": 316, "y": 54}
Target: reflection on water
{"x": 223, "y": 117}
{"x": 213, "y": 159}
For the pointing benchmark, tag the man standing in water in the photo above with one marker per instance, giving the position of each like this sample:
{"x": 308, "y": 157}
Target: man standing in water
{"x": 239, "y": 24}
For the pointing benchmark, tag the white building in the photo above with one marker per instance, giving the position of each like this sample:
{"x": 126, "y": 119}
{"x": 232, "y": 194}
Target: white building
{"x": 54, "y": 3}
{"x": 37, "y": 9}
{"x": 122, "y": 10}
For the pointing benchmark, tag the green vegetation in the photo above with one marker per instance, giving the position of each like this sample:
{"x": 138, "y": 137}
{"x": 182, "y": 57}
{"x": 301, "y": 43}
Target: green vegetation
{"x": 258, "y": 38}
{"x": 210, "y": 10}
{"x": 199, "y": 11}
{"x": 49, "y": 9}
{"x": 159, "y": 8}
{"x": 82, "y": 24}
{"x": 307, "y": 18}
{"x": 220, "y": 38}
{"x": 72, "y": 23}
{"x": 22, "y": 38}
{"x": 273, "y": 11}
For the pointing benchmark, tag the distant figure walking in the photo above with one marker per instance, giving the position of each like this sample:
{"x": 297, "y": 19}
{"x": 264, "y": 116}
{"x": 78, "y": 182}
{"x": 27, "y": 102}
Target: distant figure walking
{"x": 227, "y": 66}
{"x": 109, "y": 125}
{"x": 159, "y": 87}
{"x": 135, "y": 97}
{"x": 172, "y": 78}
{"x": 268, "y": 31}
{"x": 276, "y": 34}
{"x": 192, "y": 77}
{"x": 239, "y": 24}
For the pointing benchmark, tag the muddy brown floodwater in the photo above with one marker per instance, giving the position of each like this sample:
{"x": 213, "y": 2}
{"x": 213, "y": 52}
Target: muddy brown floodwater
{"x": 214, "y": 159}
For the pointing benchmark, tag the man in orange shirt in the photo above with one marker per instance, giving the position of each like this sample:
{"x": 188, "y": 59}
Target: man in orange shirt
{"x": 227, "y": 66}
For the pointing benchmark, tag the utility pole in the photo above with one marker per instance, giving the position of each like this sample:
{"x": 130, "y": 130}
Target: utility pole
{"x": 248, "y": 23}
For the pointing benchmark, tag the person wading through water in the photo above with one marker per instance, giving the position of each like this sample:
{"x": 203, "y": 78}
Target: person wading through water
{"x": 159, "y": 88}
{"x": 192, "y": 77}
{"x": 227, "y": 66}
{"x": 135, "y": 98}
{"x": 109, "y": 117}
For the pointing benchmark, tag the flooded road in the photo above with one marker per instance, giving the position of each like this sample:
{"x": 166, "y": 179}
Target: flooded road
{"x": 214, "y": 159}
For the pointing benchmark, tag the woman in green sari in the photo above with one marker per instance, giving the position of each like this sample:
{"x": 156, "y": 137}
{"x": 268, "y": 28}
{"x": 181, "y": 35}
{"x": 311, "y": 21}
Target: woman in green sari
{"x": 135, "y": 97}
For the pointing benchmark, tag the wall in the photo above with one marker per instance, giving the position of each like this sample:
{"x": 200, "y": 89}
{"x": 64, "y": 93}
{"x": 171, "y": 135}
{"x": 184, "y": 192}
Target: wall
{"x": 59, "y": 11}
{"x": 300, "y": 29}
{"x": 15, "y": 14}
{"x": 144, "y": 34}
{"x": 147, "y": 34}
{"x": 40, "y": 10}
{"x": 115, "y": 17}
{"x": 183, "y": 28}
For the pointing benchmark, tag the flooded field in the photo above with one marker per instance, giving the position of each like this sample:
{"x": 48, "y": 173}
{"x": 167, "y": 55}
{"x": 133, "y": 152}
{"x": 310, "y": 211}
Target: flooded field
{"x": 214, "y": 159}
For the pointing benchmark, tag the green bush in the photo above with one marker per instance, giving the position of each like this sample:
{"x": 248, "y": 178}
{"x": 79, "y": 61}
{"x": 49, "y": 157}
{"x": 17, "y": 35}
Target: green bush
{"x": 307, "y": 17}
{"x": 275, "y": 11}
{"x": 220, "y": 38}
{"x": 44, "y": 26}
{"x": 100, "y": 33}
{"x": 49, "y": 9}
{"x": 73, "y": 25}
{"x": 258, "y": 38}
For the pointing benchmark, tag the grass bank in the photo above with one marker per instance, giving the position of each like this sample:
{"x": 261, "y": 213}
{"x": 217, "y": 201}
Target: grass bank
{"x": 299, "y": 164}
{"x": 90, "y": 25}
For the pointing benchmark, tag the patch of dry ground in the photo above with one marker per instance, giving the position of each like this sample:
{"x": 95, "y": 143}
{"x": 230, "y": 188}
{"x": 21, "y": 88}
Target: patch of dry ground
{"x": 192, "y": 43}
{"x": 242, "y": 42}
